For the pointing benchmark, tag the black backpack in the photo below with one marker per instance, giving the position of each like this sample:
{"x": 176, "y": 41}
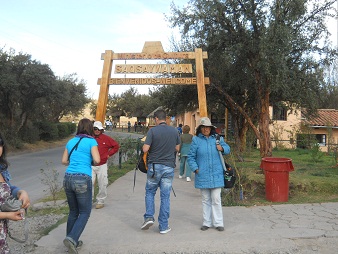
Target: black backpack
{"x": 229, "y": 176}
{"x": 142, "y": 162}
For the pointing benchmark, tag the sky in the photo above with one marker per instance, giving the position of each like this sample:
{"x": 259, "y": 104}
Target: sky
{"x": 70, "y": 35}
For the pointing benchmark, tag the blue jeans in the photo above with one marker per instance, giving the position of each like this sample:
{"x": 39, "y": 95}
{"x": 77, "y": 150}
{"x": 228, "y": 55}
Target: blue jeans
{"x": 162, "y": 178}
{"x": 78, "y": 188}
{"x": 184, "y": 165}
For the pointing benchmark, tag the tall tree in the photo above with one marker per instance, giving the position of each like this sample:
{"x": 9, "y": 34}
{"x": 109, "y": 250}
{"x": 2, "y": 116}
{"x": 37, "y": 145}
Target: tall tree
{"x": 131, "y": 104}
{"x": 260, "y": 52}
{"x": 30, "y": 92}
{"x": 329, "y": 92}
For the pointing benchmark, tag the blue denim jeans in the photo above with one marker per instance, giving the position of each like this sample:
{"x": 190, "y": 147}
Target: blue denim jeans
{"x": 163, "y": 179}
{"x": 78, "y": 188}
{"x": 184, "y": 166}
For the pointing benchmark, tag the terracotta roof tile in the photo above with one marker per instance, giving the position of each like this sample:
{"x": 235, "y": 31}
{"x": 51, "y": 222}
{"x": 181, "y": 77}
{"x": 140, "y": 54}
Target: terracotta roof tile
{"x": 325, "y": 117}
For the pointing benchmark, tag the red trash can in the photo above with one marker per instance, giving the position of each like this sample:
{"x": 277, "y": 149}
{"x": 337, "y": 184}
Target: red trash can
{"x": 276, "y": 171}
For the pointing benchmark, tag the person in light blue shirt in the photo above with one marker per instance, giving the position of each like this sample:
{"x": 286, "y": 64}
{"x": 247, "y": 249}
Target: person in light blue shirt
{"x": 79, "y": 155}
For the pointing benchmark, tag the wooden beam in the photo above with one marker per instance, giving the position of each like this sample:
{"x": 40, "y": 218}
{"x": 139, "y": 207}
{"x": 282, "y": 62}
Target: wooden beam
{"x": 202, "y": 99}
{"x": 104, "y": 86}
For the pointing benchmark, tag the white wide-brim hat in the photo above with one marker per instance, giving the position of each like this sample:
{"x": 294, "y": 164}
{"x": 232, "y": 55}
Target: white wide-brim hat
{"x": 205, "y": 121}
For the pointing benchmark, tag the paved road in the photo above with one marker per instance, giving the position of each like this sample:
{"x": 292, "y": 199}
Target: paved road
{"x": 25, "y": 167}
{"x": 276, "y": 228}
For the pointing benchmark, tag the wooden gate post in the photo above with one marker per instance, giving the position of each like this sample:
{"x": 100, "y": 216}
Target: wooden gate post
{"x": 104, "y": 86}
{"x": 202, "y": 99}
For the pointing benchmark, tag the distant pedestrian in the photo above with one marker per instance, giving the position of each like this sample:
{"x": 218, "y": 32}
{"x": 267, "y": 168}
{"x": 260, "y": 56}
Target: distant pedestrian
{"x": 179, "y": 128}
{"x": 162, "y": 143}
{"x": 204, "y": 161}
{"x": 186, "y": 139}
{"x": 107, "y": 148}
{"x": 129, "y": 126}
{"x": 80, "y": 152}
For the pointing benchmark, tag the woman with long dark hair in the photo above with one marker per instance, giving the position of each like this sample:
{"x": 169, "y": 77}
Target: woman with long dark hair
{"x": 80, "y": 153}
{"x": 6, "y": 191}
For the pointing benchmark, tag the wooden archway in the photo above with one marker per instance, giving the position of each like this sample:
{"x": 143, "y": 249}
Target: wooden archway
{"x": 152, "y": 50}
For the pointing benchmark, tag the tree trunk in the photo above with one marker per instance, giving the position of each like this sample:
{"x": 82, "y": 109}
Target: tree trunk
{"x": 265, "y": 144}
{"x": 263, "y": 131}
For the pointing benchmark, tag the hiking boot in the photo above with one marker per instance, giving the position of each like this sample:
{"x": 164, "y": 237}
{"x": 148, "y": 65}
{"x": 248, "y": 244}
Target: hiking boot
{"x": 165, "y": 231}
{"x": 147, "y": 223}
{"x": 188, "y": 179}
{"x": 71, "y": 246}
{"x": 220, "y": 228}
{"x": 203, "y": 228}
{"x": 99, "y": 206}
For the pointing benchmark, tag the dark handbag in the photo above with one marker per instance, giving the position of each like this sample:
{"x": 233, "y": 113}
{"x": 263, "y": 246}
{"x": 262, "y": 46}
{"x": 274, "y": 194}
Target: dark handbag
{"x": 229, "y": 176}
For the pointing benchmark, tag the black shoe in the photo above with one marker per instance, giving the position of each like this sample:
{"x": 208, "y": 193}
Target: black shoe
{"x": 147, "y": 224}
{"x": 203, "y": 228}
{"x": 220, "y": 228}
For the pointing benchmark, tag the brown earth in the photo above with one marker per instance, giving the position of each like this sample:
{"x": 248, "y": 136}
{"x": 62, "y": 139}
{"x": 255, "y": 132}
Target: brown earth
{"x": 38, "y": 146}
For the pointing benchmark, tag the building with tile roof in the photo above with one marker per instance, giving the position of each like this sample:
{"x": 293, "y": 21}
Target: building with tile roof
{"x": 324, "y": 127}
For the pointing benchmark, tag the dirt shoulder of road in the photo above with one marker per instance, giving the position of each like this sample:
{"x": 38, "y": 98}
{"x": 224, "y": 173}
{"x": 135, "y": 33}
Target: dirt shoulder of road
{"x": 38, "y": 146}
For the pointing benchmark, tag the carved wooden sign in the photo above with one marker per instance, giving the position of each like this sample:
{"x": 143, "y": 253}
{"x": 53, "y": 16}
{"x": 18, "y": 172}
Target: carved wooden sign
{"x": 152, "y": 50}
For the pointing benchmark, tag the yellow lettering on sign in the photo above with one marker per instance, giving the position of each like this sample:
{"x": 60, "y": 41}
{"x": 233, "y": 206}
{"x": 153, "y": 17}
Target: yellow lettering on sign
{"x": 155, "y": 81}
{"x": 153, "y": 68}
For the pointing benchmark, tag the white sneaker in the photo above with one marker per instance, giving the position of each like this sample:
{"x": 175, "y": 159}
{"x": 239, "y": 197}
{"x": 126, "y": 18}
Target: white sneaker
{"x": 165, "y": 231}
{"x": 180, "y": 177}
{"x": 188, "y": 179}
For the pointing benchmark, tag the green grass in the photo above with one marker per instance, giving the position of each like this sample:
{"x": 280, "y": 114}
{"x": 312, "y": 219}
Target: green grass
{"x": 312, "y": 181}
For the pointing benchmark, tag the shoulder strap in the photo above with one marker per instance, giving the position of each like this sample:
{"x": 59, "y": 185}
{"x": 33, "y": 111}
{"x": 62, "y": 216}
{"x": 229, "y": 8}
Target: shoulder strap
{"x": 75, "y": 147}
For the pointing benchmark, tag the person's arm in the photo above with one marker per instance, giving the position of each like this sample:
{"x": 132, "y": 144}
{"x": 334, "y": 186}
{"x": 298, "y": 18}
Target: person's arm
{"x": 145, "y": 148}
{"x": 20, "y": 194}
{"x": 179, "y": 150}
{"x": 192, "y": 156}
{"x": 65, "y": 157}
{"x": 114, "y": 147}
{"x": 95, "y": 155}
{"x": 11, "y": 215}
{"x": 147, "y": 142}
{"x": 225, "y": 147}
{"x": 23, "y": 195}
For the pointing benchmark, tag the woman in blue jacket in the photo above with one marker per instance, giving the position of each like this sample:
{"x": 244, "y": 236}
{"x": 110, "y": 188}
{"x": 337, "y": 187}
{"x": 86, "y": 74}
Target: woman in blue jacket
{"x": 205, "y": 162}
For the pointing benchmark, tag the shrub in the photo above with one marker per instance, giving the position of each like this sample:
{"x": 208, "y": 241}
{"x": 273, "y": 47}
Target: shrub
{"x": 48, "y": 131}
{"x": 63, "y": 130}
{"x": 30, "y": 134}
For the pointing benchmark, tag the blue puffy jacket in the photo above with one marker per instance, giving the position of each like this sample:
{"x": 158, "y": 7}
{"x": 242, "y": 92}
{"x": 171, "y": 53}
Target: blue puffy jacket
{"x": 204, "y": 156}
